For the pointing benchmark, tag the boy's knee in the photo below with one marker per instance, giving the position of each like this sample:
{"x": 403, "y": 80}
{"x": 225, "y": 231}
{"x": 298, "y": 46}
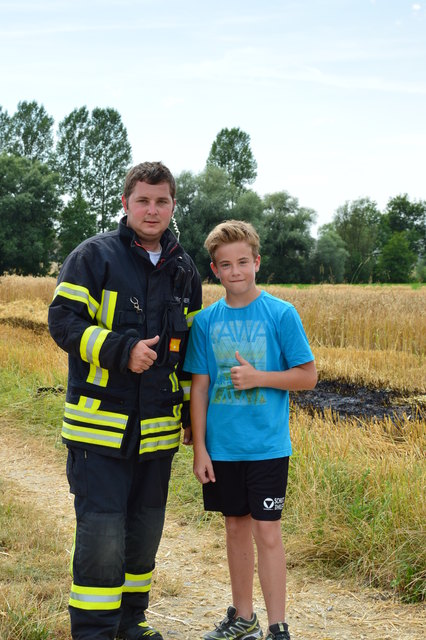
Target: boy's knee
{"x": 267, "y": 533}
{"x": 235, "y": 525}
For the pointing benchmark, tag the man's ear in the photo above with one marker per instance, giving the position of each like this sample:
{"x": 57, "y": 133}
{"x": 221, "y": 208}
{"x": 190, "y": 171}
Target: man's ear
{"x": 257, "y": 264}
{"x": 124, "y": 203}
{"x": 214, "y": 269}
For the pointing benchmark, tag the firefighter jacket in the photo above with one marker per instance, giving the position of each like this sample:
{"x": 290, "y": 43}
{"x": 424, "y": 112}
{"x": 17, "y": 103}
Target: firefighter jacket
{"x": 108, "y": 297}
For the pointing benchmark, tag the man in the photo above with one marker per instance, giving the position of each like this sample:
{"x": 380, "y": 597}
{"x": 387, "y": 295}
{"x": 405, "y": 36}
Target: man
{"x": 122, "y": 309}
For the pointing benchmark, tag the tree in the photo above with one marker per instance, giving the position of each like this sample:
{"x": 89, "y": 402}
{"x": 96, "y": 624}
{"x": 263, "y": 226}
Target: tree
{"x": 396, "y": 261}
{"x": 329, "y": 256}
{"x": 76, "y": 223}
{"x": 71, "y": 152}
{"x": 401, "y": 215}
{"x": 285, "y": 239}
{"x": 29, "y": 205}
{"x": 31, "y": 132}
{"x": 4, "y": 130}
{"x": 110, "y": 155}
{"x": 357, "y": 223}
{"x": 202, "y": 202}
{"x": 231, "y": 151}
{"x": 248, "y": 207}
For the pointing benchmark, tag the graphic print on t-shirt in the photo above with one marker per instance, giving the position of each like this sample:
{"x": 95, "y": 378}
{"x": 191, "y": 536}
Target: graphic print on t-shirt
{"x": 248, "y": 337}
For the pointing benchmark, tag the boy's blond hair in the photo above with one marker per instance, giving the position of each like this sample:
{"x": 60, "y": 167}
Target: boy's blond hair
{"x": 232, "y": 231}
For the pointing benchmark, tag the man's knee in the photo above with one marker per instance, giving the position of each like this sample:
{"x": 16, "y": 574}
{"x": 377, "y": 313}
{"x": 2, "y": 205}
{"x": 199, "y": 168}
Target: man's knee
{"x": 144, "y": 531}
{"x": 99, "y": 549}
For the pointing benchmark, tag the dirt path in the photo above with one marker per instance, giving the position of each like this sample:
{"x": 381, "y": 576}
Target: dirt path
{"x": 191, "y": 589}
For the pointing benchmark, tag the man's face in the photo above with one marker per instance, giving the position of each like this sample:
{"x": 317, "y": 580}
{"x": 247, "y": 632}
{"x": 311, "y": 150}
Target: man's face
{"x": 149, "y": 210}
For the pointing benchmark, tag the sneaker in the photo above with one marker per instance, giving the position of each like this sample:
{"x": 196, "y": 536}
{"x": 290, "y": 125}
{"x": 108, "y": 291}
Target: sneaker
{"x": 141, "y": 631}
{"x": 278, "y": 631}
{"x": 232, "y": 627}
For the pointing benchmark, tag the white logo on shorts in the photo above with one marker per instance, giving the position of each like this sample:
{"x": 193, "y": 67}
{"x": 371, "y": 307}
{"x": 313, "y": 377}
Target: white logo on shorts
{"x": 270, "y": 504}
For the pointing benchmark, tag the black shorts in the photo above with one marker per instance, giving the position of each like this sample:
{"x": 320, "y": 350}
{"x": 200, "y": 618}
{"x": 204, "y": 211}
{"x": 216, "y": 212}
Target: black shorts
{"x": 255, "y": 487}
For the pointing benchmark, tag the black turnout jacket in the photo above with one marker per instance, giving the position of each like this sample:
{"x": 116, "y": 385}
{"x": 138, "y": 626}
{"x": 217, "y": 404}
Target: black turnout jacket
{"x": 108, "y": 297}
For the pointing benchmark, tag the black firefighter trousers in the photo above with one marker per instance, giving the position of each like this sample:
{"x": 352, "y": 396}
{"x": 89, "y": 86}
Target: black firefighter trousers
{"x": 120, "y": 507}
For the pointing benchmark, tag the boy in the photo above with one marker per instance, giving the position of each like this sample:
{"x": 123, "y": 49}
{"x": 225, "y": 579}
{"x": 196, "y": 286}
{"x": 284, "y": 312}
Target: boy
{"x": 246, "y": 352}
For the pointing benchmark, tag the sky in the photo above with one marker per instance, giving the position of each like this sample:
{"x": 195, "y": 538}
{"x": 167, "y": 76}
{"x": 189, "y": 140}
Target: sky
{"x": 331, "y": 92}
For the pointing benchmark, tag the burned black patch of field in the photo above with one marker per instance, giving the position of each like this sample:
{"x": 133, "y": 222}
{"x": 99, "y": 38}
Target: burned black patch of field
{"x": 349, "y": 400}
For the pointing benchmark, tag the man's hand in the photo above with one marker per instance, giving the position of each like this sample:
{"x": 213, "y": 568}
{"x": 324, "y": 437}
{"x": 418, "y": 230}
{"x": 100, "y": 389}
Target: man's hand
{"x": 187, "y": 435}
{"x": 142, "y": 356}
{"x": 244, "y": 375}
{"x": 203, "y": 467}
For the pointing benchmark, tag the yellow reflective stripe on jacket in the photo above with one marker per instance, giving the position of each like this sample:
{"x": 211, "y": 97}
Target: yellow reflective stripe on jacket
{"x": 105, "y": 314}
{"x": 86, "y": 413}
{"x": 79, "y": 294}
{"x": 190, "y": 317}
{"x": 160, "y": 443}
{"x": 98, "y": 376}
{"x": 153, "y": 437}
{"x": 91, "y": 343}
{"x": 137, "y": 583}
{"x": 186, "y": 388}
{"x": 91, "y": 436}
{"x": 95, "y": 598}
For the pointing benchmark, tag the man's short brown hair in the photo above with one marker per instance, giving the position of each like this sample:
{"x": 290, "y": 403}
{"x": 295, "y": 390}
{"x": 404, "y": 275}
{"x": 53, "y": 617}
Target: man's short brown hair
{"x": 232, "y": 231}
{"x": 151, "y": 173}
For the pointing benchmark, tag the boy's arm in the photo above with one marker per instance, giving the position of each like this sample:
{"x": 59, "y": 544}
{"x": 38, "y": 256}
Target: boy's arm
{"x": 245, "y": 376}
{"x": 203, "y": 468}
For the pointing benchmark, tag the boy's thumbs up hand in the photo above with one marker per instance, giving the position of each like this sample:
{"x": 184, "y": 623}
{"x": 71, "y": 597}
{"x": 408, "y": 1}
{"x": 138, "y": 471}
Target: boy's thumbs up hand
{"x": 240, "y": 358}
{"x": 243, "y": 376}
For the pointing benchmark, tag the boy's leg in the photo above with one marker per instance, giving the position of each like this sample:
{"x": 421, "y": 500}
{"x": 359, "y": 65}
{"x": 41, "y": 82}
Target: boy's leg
{"x": 240, "y": 550}
{"x": 271, "y": 567}
{"x": 267, "y": 484}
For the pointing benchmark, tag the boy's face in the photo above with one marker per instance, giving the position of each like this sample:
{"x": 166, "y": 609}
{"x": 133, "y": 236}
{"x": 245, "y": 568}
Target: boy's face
{"x": 149, "y": 210}
{"x": 236, "y": 268}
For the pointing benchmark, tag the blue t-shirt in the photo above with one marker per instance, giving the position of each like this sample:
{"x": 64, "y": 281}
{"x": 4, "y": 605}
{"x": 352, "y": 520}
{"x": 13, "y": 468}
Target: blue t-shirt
{"x": 252, "y": 424}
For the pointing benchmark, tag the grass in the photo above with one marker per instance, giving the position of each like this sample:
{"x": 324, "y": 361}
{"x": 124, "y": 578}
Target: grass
{"x": 34, "y": 584}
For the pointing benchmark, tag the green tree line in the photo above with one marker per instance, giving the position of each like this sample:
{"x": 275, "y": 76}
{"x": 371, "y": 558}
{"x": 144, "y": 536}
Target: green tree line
{"x": 59, "y": 187}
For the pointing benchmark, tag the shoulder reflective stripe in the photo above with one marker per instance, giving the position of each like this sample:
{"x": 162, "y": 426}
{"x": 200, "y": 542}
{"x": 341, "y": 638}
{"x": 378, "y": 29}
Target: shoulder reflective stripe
{"x": 191, "y": 315}
{"x": 186, "y": 388}
{"x": 137, "y": 583}
{"x": 98, "y": 376}
{"x": 91, "y": 343}
{"x": 105, "y": 314}
{"x": 79, "y": 294}
{"x": 91, "y": 436}
{"x": 102, "y": 598}
{"x": 162, "y": 443}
